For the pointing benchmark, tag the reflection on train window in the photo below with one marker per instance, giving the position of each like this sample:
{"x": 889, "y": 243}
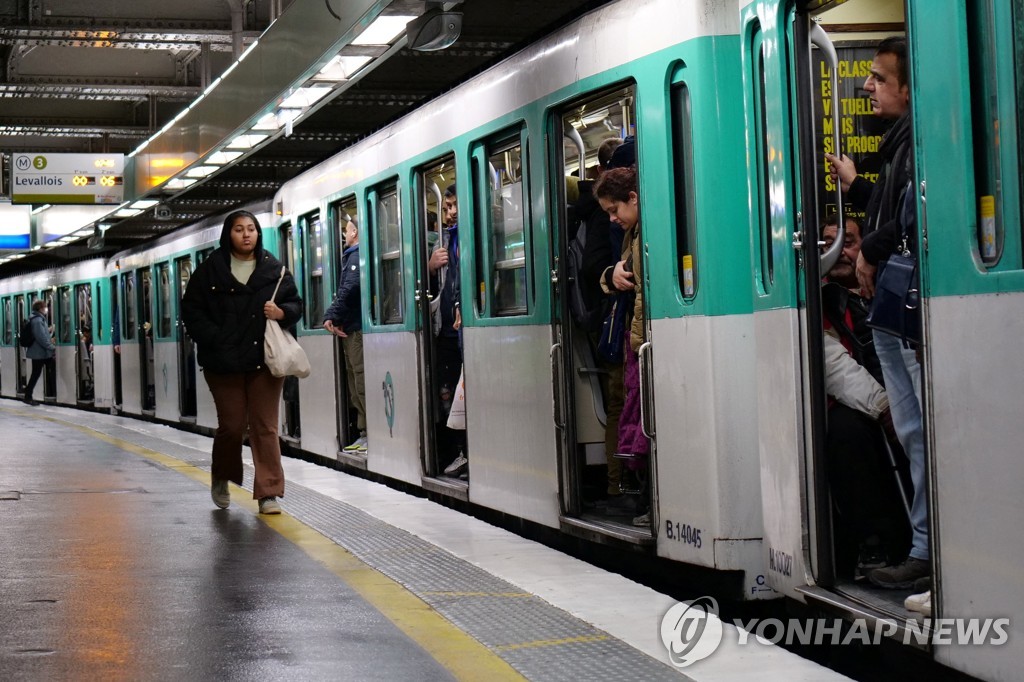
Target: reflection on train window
{"x": 762, "y": 192}
{"x": 64, "y": 314}
{"x": 128, "y": 297}
{"x": 20, "y": 310}
{"x": 50, "y": 309}
{"x": 388, "y": 224}
{"x": 83, "y": 309}
{"x": 506, "y": 225}
{"x": 313, "y": 262}
{"x": 686, "y": 223}
{"x": 8, "y": 327}
{"x": 996, "y": 104}
{"x": 163, "y": 300}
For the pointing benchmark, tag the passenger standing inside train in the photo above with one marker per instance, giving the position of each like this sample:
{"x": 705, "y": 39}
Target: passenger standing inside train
{"x": 225, "y": 310}
{"x": 42, "y": 351}
{"x": 871, "y": 523}
{"x": 444, "y": 269}
{"x": 888, "y": 88}
{"x": 617, "y": 192}
{"x": 600, "y": 252}
{"x": 344, "y": 318}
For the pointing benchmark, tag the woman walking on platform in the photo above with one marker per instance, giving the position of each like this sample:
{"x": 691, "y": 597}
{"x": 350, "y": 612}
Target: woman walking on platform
{"x": 225, "y": 310}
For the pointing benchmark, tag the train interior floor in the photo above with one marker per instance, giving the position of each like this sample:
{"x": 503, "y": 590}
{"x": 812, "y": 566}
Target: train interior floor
{"x": 115, "y": 564}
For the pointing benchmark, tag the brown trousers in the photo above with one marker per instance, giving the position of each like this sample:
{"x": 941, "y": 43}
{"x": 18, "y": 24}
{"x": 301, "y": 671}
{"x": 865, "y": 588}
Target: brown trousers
{"x": 248, "y": 400}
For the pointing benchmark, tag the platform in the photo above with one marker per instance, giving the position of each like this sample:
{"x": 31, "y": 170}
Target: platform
{"x": 116, "y": 565}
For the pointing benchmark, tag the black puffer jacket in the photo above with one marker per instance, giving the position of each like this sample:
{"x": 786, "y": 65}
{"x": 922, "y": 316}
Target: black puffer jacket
{"x": 225, "y": 318}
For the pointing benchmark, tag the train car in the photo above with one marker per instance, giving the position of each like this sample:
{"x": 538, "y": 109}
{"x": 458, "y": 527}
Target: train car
{"x": 733, "y": 106}
{"x": 76, "y": 319}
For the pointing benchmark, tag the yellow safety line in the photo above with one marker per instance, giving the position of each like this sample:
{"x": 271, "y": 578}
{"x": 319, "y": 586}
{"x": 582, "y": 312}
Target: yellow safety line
{"x": 462, "y": 655}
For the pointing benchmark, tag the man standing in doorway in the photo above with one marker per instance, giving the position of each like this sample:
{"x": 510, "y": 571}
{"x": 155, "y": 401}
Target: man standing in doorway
{"x": 344, "y": 318}
{"x": 888, "y": 87}
{"x": 444, "y": 265}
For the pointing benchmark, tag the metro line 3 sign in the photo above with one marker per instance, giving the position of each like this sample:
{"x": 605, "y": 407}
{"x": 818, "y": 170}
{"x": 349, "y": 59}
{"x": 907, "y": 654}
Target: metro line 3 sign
{"x": 67, "y": 178}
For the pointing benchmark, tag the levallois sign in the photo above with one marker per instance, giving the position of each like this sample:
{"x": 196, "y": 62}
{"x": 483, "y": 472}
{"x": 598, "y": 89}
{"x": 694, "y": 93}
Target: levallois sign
{"x": 67, "y": 178}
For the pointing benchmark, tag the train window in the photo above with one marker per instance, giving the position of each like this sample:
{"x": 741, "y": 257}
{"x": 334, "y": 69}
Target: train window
{"x": 313, "y": 261}
{"x": 8, "y": 333}
{"x": 341, "y": 212}
{"x": 128, "y": 298}
{"x": 203, "y": 254}
{"x": 64, "y": 314}
{"x": 387, "y": 229}
{"x": 163, "y": 301}
{"x": 762, "y": 192}
{"x": 83, "y": 311}
{"x": 686, "y": 223}
{"x": 997, "y": 111}
{"x": 504, "y": 221}
{"x": 21, "y": 312}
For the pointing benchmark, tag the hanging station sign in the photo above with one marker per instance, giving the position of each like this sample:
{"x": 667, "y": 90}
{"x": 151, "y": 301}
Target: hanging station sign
{"x": 42, "y": 178}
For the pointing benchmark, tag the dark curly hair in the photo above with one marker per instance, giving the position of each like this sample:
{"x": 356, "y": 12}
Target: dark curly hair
{"x": 616, "y": 184}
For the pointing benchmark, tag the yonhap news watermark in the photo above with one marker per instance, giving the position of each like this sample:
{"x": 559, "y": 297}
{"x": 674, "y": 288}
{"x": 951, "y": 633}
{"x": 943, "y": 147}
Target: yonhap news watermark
{"x": 692, "y": 631}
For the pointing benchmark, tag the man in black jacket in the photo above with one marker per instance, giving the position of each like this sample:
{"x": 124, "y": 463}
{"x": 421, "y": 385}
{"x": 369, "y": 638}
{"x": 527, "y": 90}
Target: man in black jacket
{"x": 888, "y": 87}
{"x": 225, "y": 310}
{"x": 344, "y": 318}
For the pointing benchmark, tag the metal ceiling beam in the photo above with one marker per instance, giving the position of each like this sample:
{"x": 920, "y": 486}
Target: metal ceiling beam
{"x": 100, "y": 92}
{"x": 148, "y": 38}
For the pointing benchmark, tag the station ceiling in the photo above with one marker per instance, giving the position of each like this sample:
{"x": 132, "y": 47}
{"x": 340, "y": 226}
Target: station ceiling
{"x": 102, "y": 76}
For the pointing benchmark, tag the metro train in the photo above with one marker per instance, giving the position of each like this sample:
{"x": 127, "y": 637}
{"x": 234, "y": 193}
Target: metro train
{"x": 733, "y": 105}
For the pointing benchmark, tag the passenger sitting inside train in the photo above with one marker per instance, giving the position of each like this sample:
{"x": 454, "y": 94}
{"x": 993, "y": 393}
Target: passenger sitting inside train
{"x": 871, "y": 525}
{"x": 444, "y": 274}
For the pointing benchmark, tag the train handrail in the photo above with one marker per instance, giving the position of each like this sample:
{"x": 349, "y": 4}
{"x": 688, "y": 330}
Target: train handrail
{"x": 819, "y": 38}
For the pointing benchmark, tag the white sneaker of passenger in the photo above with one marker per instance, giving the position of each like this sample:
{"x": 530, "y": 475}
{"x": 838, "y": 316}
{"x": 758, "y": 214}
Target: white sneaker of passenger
{"x": 269, "y": 505}
{"x": 358, "y": 445}
{"x": 922, "y": 603}
{"x": 456, "y": 467}
{"x": 219, "y": 493}
{"x": 642, "y": 520}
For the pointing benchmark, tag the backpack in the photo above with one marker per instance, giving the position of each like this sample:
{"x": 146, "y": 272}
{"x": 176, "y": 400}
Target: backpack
{"x": 574, "y": 268}
{"x": 26, "y": 337}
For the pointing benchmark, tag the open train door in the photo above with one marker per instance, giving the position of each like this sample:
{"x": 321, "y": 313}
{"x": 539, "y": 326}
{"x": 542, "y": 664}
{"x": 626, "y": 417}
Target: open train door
{"x": 966, "y": 62}
{"x": 777, "y": 44}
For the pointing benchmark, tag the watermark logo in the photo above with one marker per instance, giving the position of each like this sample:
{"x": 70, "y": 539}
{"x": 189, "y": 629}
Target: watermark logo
{"x": 691, "y": 632}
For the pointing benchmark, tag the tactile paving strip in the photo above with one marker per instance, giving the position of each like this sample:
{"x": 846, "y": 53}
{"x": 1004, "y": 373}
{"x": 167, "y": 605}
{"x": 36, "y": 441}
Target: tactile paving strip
{"x": 539, "y": 640}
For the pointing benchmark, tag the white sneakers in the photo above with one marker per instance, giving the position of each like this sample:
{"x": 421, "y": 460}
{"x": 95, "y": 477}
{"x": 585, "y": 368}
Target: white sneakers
{"x": 269, "y": 505}
{"x": 219, "y": 493}
{"x": 359, "y": 445}
{"x": 922, "y": 603}
{"x": 457, "y": 466}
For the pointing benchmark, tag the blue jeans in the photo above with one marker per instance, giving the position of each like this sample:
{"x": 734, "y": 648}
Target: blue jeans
{"x": 902, "y": 375}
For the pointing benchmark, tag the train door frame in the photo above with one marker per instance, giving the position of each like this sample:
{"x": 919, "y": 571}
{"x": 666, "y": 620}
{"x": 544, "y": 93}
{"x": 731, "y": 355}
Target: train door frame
{"x": 20, "y": 358}
{"x": 575, "y": 367}
{"x": 346, "y": 431}
{"x": 429, "y": 213}
{"x": 187, "y": 372}
{"x": 147, "y": 351}
{"x": 116, "y": 330}
{"x": 799, "y": 34}
{"x": 84, "y": 325}
{"x": 291, "y": 429}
